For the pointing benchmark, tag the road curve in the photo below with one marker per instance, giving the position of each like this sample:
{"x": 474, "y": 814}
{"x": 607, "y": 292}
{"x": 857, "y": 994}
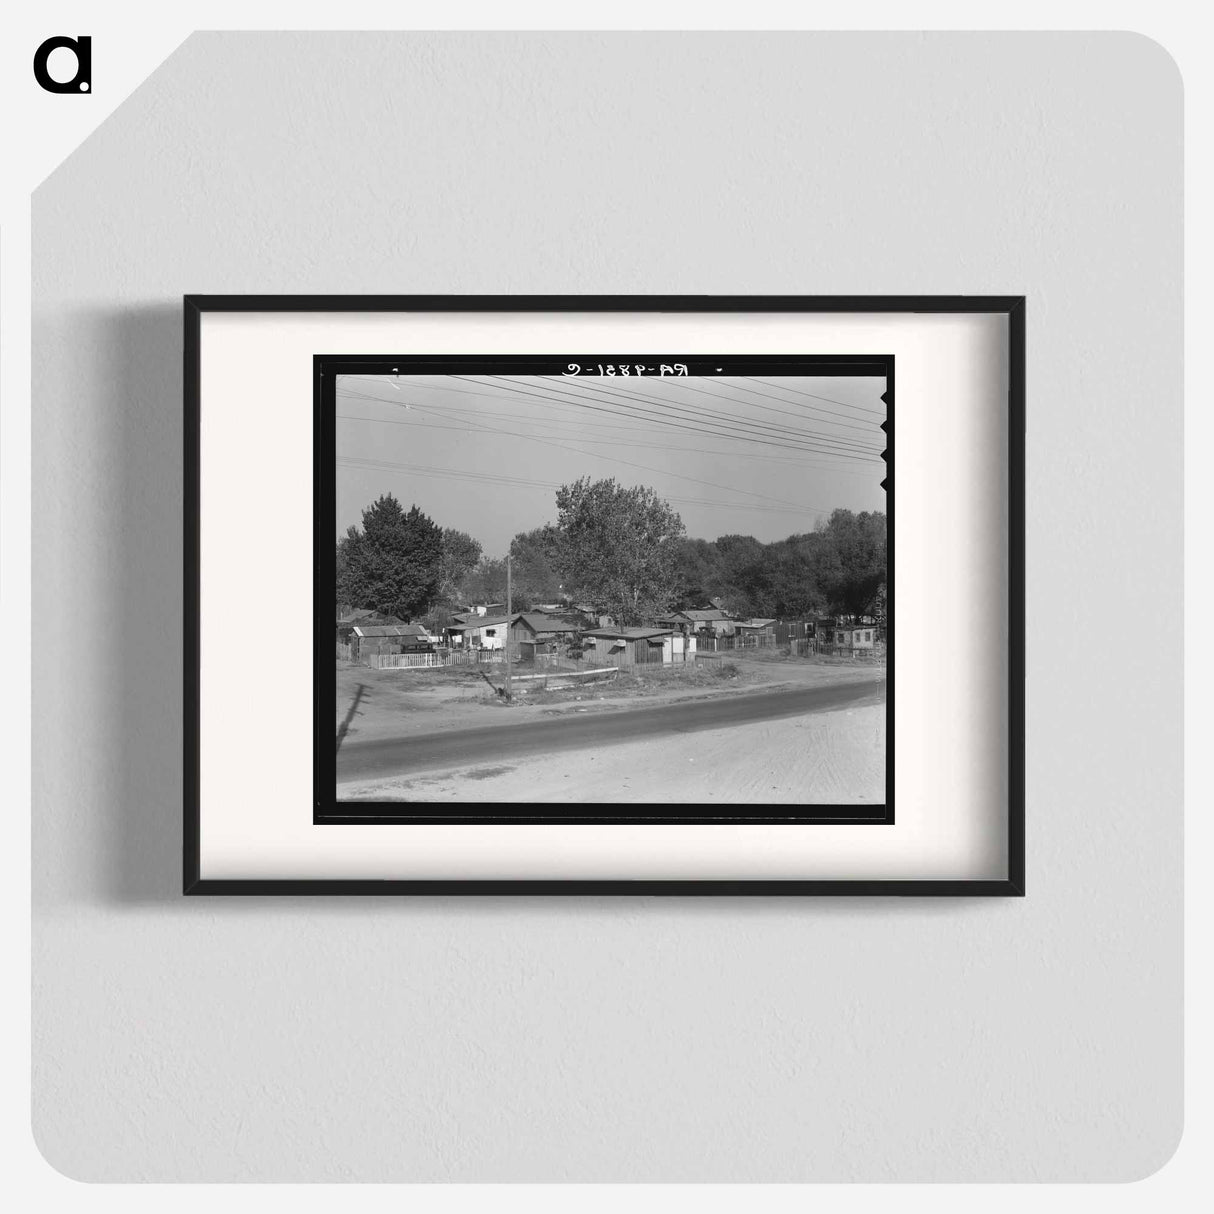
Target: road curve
{"x": 385, "y": 757}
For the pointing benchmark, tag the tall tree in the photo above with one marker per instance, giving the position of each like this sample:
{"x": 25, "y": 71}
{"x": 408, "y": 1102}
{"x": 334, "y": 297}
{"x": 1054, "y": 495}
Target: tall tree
{"x": 745, "y": 575}
{"x": 343, "y": 569}
{"x": 617, "y": 547}
{"x": 794, "y": 585}
{"x": 535, "y": 560}
{"x": 460, "y": 553}
{"x": 850, "y": 561}
{"x": 393, "y": 564}
{"x": 698, "y": 563}
{"x": 487, "y": 581}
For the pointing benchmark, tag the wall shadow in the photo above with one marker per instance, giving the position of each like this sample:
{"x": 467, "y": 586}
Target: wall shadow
{"x": 141, "y": 398}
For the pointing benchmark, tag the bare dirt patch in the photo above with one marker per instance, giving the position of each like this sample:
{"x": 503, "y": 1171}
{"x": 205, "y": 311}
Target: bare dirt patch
{"x": 485, "y": 773}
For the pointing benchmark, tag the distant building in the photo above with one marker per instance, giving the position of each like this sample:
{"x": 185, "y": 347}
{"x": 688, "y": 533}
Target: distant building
{"x": 755, "y": 627}
{"x": 848, "y": 637}
{"x": 485, "y": 609}
{"x": 699, "y": 619}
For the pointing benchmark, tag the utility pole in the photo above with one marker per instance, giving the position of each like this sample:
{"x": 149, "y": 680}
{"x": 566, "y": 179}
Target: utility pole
{"x": 509, "y": 620}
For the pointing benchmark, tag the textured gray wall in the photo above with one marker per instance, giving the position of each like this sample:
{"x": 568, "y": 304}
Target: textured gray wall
{"x": 627, "y": 1039}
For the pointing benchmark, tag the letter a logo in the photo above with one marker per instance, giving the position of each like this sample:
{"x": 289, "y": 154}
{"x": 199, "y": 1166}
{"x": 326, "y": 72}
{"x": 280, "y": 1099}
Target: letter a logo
{"x": 82, "y": 81}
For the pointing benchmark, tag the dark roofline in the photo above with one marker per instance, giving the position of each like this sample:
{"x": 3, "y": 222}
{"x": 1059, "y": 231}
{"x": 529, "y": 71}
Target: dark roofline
{"x": 628, "y": 634}
{"x": 546, "y": 623}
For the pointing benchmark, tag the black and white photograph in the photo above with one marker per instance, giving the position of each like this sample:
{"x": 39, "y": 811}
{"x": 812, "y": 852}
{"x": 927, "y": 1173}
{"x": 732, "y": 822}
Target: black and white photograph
{"x": 610, "y": 580}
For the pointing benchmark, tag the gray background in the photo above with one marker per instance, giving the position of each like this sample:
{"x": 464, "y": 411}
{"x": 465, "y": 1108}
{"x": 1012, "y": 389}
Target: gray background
{"x": 628, "y": 1039}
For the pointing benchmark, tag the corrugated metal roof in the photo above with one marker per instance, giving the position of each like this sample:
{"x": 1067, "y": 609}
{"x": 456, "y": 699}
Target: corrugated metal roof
{"x": 628, "y": 634}
{"x": 480, "y": 621}
{"x": 390, "y": 630}
{"x": 351, "y": 617}
{"x": 539, "y": 622}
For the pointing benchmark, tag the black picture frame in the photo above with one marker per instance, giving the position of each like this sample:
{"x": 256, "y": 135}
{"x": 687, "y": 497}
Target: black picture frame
{"x": 1011, "y": 307}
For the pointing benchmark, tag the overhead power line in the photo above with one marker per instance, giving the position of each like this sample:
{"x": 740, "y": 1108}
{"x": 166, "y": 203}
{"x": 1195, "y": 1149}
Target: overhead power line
{"x": 465, "y": 429}
{"x": 642, "y": 467}
{"x": 715, "y": 417}
{"x": 802, "y": 392}
{"x": 789, "y": 443}
{"x": 867, "y": 428}
{"x": 662, "y": 419}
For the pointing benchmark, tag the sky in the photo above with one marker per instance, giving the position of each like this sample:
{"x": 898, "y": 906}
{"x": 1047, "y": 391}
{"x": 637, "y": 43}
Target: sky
{"x": 769, "y": 456}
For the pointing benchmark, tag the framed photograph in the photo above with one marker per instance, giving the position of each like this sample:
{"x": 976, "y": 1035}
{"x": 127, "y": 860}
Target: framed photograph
{"x": 604, "y": 594}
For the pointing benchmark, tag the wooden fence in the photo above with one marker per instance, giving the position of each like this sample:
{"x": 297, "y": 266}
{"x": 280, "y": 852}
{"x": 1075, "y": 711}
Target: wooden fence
{"x": 803, "y": 646}
{"x": 870, "y": 653}
{"x": 741, "y": 640}
{"x": 434, "y": 661}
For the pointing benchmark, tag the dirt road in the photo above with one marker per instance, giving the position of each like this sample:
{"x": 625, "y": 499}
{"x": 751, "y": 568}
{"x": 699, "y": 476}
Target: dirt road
{"x": 381, "y": 767}
{"x": 835, "y": 757}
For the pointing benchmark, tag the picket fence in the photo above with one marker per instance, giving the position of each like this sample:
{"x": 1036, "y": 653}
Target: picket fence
{"x": 741, "y": 640}
{"x": 434, "y": 661}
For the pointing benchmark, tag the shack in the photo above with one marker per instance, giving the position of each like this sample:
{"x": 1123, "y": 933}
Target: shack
{"x": 758, "y": 632}
{"x": 714, "y": 621}
{"x": 535, "y": 633}
{"x": 646, "y": 646}
{"x": 848, "y": 638}
{"x": 478, "y": 632}
{"x": 368, "y": 639}
{"x": 360, "y": 615}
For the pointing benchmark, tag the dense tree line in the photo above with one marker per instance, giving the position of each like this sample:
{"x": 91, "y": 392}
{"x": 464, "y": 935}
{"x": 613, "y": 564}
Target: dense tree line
{"x": 623, "y": 549}
{"x": 839, "y": 569}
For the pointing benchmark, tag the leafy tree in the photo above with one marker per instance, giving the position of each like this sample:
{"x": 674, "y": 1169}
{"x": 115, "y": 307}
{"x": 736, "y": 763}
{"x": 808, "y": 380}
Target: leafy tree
{"x": 839, "y": 569}
{"x": 393, "y": 565}
{"x": 460, "y": 552}
{"x": 698, "y": 567}
{"x": 745, "y": 575}
{"x": 618, "y": 547}
{"x": 795, "y": 593}
{"x": 850, "y": 562}
{"x": 487, "y": 581}
{"x": 343, "y": 570}
{"x": 535, "y": 557}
